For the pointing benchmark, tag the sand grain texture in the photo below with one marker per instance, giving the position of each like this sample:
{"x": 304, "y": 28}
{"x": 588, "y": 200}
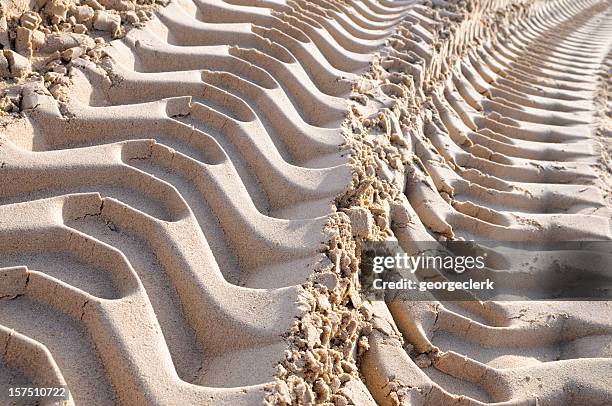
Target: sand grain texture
{"x": 181, "y": 208}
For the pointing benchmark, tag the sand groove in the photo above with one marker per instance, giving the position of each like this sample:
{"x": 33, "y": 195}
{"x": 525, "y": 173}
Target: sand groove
{"x": 507, "y": 150}
{"x": 157, "y": 224}
{"x": 198, "y": 161}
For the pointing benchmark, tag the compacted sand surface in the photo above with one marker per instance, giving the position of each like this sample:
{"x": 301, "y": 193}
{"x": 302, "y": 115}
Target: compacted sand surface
{"x": 185, "y": 185}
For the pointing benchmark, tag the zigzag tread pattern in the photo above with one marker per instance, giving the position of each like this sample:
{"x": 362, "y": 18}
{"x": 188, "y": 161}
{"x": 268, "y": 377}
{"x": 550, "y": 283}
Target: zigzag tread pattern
{"x": 507, "y": 149}
{"x": 156, "y": 227}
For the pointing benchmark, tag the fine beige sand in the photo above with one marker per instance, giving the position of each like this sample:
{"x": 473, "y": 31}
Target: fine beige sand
{"x": 185, "y": 185}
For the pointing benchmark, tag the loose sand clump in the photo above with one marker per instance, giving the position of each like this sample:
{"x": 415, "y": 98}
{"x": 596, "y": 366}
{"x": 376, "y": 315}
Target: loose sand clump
{"x": 41, "y": 39}
{"x": 321, "y": 364}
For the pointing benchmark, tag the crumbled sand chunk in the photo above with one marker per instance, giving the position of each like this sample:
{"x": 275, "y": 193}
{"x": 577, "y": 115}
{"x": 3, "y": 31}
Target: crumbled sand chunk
{"x": 30, "y": 38}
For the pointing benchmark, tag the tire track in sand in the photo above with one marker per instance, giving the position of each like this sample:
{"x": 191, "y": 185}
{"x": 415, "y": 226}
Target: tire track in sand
{"x": 506, "y": 151}
{"x": 159, "y": 222}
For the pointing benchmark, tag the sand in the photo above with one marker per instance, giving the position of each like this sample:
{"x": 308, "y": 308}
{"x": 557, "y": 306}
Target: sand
{"x": 185, "y": 187}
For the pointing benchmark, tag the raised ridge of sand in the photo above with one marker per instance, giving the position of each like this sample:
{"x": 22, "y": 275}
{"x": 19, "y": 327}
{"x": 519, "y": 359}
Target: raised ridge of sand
{"x": 507, "y": 140}
{"x": 161, "y": 214}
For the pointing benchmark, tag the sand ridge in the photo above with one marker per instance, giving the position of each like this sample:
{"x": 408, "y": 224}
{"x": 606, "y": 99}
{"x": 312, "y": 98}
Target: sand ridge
{"x": 418, "y": 124}
{"x": 192, "y": 161}
{"x": 161, "y": 214}
{"x": 500, "y": 124}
